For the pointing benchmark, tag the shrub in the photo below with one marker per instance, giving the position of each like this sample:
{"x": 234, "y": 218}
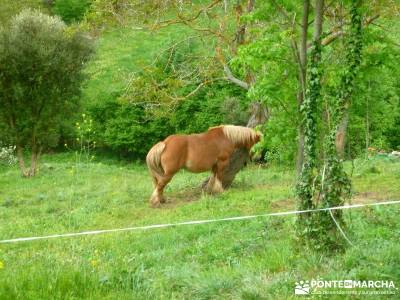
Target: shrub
{"x": 71, "y": 10}
{"x": 214, "y": 105}
{"x": 7, "y": 156}
{"x": 131, "y": 128}
{"x": 41, "y": 62}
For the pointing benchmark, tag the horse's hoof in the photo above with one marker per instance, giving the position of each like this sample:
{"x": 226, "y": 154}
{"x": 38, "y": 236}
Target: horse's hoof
{"x": 155, "y": 201}
{"x": 155, "y": 204}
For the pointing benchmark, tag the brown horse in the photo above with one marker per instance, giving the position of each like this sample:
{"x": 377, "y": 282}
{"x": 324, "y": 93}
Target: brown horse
{"x": 197, "y": 153}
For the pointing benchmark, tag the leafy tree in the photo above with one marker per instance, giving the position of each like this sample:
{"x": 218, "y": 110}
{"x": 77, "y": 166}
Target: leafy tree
{"x": 277, "y": 53}
{"x": 280, "y": 53}
{"x": 41, "y": 62}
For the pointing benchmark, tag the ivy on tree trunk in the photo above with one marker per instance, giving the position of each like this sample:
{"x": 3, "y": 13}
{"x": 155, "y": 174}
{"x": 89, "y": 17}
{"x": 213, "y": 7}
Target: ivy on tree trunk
{"x": 326, "y": 184}
{"x": 335, "y": 184}
{"x": 305, "y": 187}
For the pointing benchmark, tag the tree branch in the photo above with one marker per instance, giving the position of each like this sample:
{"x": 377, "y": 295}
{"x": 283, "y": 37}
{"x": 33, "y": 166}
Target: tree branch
{"x": 183, "y": 19}
{"x": 337, "y": 32}
{"x": 176, "y": 98}
{"x": 283, "y": 12}
{"x": 233, "y": 79}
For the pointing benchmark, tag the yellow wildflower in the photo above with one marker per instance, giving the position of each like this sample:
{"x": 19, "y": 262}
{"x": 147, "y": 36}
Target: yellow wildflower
{"x": 94, "y": 262}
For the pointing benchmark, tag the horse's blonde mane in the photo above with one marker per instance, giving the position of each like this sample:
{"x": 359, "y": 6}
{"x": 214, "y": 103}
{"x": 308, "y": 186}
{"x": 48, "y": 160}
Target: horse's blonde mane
{"x": 238, "y": 134}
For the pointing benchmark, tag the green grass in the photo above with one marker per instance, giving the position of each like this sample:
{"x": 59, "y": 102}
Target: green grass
{"x": 253, "y": 259}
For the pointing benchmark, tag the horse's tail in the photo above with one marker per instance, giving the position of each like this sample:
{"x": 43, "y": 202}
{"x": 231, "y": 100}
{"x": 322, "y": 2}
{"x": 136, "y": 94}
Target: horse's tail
{"x": 153, "y": 159}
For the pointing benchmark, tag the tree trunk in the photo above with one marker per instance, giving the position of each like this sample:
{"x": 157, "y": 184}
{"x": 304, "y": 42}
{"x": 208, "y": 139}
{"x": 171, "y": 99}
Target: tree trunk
{"x": 241, "y": 29}
{"x": 34, "y": 161}
{"x": 302, "y": 84}
{"x": 259, "y": 115}
{"x": 21, "y": 161}
{"x": 300, "y": 149}
{"x": 318, "y": 19}
{"x": 367, "y": 123}
{"x": 305, "y": 191}
{"x": 303, "y": 46}
{"x": 341, "y": 134}
{"x": 35, "y": 155}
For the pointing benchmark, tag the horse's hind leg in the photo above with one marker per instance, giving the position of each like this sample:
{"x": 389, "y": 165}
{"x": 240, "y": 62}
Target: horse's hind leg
{"x": 157, "y": 197}
{"x": 155, "y": 180}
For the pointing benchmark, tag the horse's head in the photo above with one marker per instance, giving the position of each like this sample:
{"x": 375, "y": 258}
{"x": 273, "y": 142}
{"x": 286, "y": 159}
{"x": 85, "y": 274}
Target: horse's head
{"x": 255, "y": 138}
{"x": 241, "y": 137}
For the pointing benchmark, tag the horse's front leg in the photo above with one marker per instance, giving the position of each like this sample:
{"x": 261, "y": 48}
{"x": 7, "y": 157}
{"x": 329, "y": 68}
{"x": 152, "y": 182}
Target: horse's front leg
{"x": 209, "y": 187}
{"x": 219, "y": 175}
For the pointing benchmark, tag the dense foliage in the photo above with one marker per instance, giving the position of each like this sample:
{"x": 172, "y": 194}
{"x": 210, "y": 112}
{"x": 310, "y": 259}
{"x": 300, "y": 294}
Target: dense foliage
{"x": 71, "y": 10}
{"x": 154, "y": 94}
{"x": 41, "y": 62}
{"x": 131, "y": 128}
{"x": 156, "y": 104}
{"x": 374, "y": 109}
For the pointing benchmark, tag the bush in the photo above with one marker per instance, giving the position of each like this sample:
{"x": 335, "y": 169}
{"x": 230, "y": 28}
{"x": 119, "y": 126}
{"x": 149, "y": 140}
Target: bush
{"x": 214, "y": 105}
{"x": 41, "y": 63}
{"x": 71, "y": 10}
{"x": 131, "y": 132}
{"x": 7, "y": 155}
{"x": 130, "y": 128}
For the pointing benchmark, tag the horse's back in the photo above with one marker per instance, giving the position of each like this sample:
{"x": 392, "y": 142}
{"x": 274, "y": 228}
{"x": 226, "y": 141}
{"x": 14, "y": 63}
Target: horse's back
{"x": 204, "y": 150}
{"x": 195, "y": 152}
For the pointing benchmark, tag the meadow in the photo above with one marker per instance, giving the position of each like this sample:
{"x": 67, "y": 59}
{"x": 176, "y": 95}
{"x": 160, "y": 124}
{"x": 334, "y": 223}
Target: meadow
{"x": 249, "y": 259}
{"x": 143, "y": 71}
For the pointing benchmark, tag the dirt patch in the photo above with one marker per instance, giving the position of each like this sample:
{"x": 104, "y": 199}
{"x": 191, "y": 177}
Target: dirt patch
{"x": 177, "y": 198}
{"x": 289, "y": 203}
{"x": 368, "y": 197}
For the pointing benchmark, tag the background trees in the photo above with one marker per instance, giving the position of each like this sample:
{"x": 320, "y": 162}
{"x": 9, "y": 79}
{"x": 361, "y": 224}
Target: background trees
{"x": 205, "y": 53}
{"x": 182, "y": 66}
{"x": 41, "y": 63}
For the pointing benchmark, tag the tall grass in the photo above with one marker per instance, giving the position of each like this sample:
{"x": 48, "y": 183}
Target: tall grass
{"x": 253, "y": 259}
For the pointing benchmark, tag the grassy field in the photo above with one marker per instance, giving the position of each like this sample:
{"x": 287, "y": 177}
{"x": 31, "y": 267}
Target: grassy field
{"x": 252, "y": 259}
